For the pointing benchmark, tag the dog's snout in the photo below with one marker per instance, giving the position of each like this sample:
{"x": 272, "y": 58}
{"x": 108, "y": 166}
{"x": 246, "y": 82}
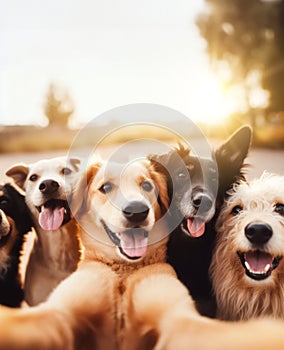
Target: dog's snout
{"x": 202, "y": 201}
{"x": 258, "y": 233}
{"x": 136, "y": 211}
{"x": 48, "y": 186}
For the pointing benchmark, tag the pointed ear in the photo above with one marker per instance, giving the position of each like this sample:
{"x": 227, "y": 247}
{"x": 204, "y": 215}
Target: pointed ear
{"x": 230, "y": 158}
{"x": 81, "y": 193}
{"x": 18, "y": 173}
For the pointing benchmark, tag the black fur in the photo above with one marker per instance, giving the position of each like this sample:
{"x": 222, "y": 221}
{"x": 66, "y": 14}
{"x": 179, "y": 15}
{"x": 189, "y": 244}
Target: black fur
{"x": 12, "y": 203}
{"x": 191, "y": 256}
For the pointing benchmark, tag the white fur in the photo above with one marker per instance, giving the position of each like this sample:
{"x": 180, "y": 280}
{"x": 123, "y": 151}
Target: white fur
{"x": 55, "y": 253}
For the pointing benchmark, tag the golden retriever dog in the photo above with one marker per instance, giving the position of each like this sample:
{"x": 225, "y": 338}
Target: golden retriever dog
{"x": 49, "y": 184}
{"x": 118, "y": 210}
{"x": 247, "y": 268}
{"x": 123, "y": 296}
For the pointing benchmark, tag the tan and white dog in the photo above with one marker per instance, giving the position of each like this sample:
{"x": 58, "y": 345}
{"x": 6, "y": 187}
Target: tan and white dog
{"x": 49, "y": 184}
{"x": 123, "y": 296}
{"x": 247, "y": 267}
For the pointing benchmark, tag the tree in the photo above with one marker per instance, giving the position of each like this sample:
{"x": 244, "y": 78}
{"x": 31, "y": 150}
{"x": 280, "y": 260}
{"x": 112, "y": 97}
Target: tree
{"x": 247, "y": 36}
{"x": 273, "y": 77}
{"x": 58, "y": 107}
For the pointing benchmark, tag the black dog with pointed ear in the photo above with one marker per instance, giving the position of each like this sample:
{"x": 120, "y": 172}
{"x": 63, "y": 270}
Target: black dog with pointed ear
{"x": 194, "y": 205}
{"x": 15, "y": 222}
{"x": 230, "y": 158}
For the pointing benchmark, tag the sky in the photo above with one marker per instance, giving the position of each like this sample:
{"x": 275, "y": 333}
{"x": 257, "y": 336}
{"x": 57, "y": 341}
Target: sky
{"x": 106, "y": 53}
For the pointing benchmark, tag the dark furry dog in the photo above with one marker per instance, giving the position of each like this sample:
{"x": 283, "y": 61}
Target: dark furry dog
{"x": 192, "y": 182}
{"x": 15, "y": 222}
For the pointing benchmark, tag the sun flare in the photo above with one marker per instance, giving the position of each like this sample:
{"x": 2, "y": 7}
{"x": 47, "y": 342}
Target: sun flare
{"x": 216, "y": 102}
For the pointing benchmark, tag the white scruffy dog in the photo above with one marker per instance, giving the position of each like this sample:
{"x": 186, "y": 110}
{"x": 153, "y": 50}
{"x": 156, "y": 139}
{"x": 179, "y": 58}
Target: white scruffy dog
{"x": 247, "y": 267}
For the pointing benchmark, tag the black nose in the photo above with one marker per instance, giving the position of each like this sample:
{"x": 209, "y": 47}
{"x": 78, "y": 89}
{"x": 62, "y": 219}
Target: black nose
{"x": 202, "y": 202}
{"x": 258, "y": 233}
{"x": 48, "y": 186}
{"x": 136, "y": 211}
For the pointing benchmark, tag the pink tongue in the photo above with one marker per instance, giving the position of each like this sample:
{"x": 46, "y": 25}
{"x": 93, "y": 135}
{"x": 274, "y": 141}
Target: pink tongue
{"x": 196, "y": 227}
{"x": 51, "y": 220}
{"x": 134, "y": 243}
{"x": 258, "y": 260}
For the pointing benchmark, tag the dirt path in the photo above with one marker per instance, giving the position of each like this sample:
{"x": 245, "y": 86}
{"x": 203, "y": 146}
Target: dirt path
{"x": 265, "y": 160}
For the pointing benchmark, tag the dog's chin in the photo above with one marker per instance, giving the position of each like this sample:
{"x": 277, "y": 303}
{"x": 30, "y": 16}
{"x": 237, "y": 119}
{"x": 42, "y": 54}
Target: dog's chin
{"x": 131, "y": 244}
{"x": 258, "y": 264}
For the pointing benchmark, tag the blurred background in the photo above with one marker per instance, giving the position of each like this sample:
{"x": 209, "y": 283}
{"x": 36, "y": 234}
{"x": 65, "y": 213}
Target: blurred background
{"x": 62, "y": 63}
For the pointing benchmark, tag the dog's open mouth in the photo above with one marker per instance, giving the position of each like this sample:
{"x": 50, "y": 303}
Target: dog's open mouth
{"x": 258, "y": 264}
{"x": 132, "y": 243}
{"x": 53, "y": 214}
{"x": 194, "y": 227}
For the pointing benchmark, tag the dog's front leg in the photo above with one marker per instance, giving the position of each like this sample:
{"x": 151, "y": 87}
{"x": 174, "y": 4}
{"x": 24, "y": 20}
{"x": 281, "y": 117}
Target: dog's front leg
{"x": 153, "y": 302}
{"x": 79, "y": 314}
{"x": 160, "y": 314}
{"x": 90, "y": 297}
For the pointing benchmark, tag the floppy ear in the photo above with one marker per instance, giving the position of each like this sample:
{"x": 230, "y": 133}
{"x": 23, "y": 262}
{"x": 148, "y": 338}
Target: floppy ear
{"x": 230, "y": 158}
{"x": 75, "y": 162}
{"x": 18, "y": 173}
{"x": 80, "y": 195}
{"x": 160, "y": 161}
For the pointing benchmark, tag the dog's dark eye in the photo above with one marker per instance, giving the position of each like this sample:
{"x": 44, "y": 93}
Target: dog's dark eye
{"x": 147, "y": 186}
{"x": 33, "y": 177}
{"x": 236, "y": 210}
{"x": 106, "y": 187}
{"x": 3, "y": 202}
{"x": 66, "y": 171}
{"x": 279, "y": 208}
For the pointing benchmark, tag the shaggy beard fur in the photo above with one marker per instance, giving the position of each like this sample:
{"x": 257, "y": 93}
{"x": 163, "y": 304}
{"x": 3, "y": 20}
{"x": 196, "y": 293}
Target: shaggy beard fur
{"x": 236, "y": 300}
{"x": 238, "y": 296}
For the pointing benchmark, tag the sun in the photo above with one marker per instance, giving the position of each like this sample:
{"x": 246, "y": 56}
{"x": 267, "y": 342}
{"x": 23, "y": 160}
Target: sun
{"x": 215, "y": 102}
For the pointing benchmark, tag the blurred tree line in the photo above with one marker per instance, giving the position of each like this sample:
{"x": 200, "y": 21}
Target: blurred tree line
{"x": 246, "y": 38}
{"x": 58, "y": 106}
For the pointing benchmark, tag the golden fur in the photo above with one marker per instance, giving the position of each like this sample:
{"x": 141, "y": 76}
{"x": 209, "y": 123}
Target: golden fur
{"x": 103, "y": 274}
{"x": 110, "y": 303}
{"x": 239, "y": 296}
